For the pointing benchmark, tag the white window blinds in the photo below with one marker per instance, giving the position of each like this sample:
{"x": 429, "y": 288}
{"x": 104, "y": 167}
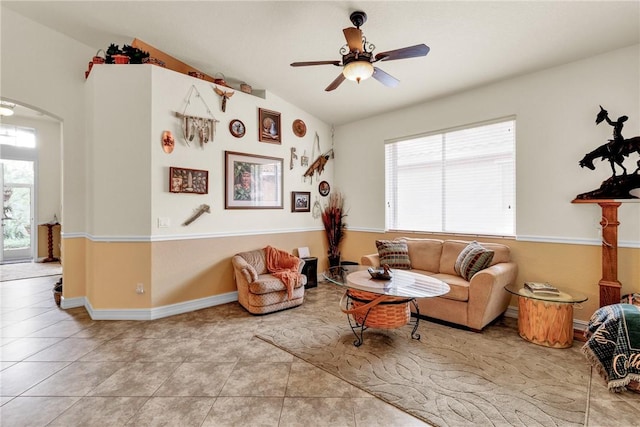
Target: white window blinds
{"x": 457, "y": 181}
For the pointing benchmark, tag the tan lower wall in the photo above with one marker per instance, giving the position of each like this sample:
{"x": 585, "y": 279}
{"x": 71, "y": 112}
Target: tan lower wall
{"x": 184, "y": 270}
{"x": 174, "y": 271}
{"x": 570, "y": 267}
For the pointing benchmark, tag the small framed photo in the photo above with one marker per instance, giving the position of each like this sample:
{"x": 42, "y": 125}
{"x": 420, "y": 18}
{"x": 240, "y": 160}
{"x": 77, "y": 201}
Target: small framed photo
{"x": 237, "y": 129}
{"x": 300, "y": 201}
{"x": 252, "y": 181}
{"x": 269, "y": 126}
{"x": 182, "y": 180}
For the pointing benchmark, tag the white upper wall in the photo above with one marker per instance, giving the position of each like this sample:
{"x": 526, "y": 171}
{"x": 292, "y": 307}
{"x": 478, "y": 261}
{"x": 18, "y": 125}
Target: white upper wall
{"x": 555, "y": 111}
{"x": 44, "y": 69}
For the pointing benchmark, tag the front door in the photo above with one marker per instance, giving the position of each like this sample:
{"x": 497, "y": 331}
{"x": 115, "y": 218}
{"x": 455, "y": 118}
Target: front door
{"x": 17, "y": 224}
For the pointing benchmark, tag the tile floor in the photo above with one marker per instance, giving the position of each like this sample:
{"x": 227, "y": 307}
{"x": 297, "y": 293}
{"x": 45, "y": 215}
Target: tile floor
{"x": 206, "y": 368}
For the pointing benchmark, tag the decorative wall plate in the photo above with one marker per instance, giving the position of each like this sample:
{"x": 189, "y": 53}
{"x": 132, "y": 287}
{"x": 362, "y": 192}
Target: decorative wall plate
{"x": 324, "y": 188}
{"x": 299, "y": 128}
{"x": 168, "y": 141}
{"x": 237, "y": 129}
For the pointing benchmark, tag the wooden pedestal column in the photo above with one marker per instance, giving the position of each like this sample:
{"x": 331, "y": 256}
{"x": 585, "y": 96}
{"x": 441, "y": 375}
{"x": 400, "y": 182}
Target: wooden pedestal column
{"x": 545, "y": 323}
{"x": 609, "y": 284}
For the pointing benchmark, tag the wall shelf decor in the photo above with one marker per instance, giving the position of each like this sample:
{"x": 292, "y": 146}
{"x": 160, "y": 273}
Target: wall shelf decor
{"x": 203, "y": 127}
{"x": 252, "y": 182}
{"x": 182, "y": 180}
{"x": 269, "y": 126}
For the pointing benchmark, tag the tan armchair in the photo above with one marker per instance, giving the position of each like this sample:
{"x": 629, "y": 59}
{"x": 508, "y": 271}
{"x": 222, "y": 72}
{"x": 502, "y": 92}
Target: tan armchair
{"x": 260, "y": 292}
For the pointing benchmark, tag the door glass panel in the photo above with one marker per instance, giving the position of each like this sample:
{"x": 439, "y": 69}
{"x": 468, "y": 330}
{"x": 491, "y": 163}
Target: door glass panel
{"x": 17, "y": 210}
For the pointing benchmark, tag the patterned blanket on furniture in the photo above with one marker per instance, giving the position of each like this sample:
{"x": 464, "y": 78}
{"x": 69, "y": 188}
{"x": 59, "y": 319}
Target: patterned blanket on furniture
{"x": 613, "y": 345}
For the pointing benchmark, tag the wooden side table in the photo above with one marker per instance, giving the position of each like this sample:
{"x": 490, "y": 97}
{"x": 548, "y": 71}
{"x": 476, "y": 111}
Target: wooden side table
{"x": 50, "y": 257}
{"x": 310, "y": 269}
{"x": 545, "y": 319}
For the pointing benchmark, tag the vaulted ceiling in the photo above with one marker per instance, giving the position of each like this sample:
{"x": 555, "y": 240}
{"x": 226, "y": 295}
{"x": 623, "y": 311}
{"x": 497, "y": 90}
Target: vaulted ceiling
{"x": 472, "y": 42}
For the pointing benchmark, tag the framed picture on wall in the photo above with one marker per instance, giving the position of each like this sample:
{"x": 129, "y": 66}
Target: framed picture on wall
{"x": 183, "y": 180}
{"x": 300, "y": 201}
{"x": 269, "y": 126}
{"x": 252, "y": 182}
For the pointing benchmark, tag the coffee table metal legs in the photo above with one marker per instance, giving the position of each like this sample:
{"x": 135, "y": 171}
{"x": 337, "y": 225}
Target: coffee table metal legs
{"x": 358, "y": 328}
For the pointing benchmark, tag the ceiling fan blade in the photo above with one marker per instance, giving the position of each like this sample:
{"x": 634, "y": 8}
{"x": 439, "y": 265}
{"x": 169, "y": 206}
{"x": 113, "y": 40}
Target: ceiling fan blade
{"x": 384, "y": 78}
{"x": 354, "y": 38}
{"x": 406, "y": 52}
{"x": 334, "y": 84}
{"x": 304, "y": 64}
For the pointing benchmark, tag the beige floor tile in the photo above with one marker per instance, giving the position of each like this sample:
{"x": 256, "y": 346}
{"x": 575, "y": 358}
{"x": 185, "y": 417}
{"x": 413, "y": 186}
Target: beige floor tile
{"x": 77, "y": 379}
{"x": 99, "y": 411}
{"x": 257, "y": 379}
{"x": 5, "y": 365}
{"x": 165, "y": 349}
{"x": 63, "y": 329}
{"x": 69, "y": 349}
{"x": 3, "y": 400}
{"x": 24, "y": 328}
{"x": 34, "y": 411}
{"x": 22, "y": 376}
{"x": 105, "y": 329}
{"x": 122, "y": 350}
{"x": 172, "y": 411}
{"x": 19, "y": 350}
{"x": 305, "y": 380}
{"x": 219, "y": 350}
{"x": 245, "y": 411}
{"x": 324, "y": 411}
{"x": 196, "y": 379}
{"x": 136, "y": 379}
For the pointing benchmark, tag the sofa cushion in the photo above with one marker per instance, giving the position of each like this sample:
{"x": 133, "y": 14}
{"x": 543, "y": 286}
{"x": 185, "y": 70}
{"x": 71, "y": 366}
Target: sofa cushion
{"x": 452, "y": 248}
{"x": 394, "y": 253}
{"x": 459, "y": 288}
{"x": 424, "y": 253}
{"x": 472, "y": 259}
{"x": 268, "y": 283}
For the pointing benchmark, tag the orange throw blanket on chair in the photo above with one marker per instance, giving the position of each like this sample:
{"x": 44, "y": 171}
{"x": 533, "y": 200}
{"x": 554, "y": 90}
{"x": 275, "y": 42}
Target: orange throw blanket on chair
{"x": 284, "y": 266}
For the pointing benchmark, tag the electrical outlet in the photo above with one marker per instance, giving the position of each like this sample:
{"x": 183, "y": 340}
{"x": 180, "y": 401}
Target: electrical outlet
{"x": 163, "y": 222}
{"x": 140, "y": 289}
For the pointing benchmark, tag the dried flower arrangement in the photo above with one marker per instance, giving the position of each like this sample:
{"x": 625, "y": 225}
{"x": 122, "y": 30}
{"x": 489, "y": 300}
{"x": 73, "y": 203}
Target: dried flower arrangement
{"x": 333, "y": 219}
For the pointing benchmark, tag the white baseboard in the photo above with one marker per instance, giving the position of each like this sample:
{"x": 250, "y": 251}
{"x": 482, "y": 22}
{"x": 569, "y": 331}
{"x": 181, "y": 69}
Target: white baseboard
{"x": 148, "y": 313}
{"x": 579, "y": 325}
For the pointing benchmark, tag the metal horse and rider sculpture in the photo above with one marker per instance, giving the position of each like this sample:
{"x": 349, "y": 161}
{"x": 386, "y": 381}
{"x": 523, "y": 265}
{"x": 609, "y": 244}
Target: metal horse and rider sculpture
{"x": 615, "y": 151}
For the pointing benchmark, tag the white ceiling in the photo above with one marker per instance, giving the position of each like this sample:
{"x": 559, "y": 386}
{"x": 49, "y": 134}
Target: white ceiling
{"x": 472, "y": 42}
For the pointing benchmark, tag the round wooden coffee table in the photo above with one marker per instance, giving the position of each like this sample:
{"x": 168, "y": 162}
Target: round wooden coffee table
{"x": 546, "y": 319}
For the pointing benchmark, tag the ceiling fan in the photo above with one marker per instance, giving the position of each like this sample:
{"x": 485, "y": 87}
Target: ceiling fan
{"x": 358, "y": 59}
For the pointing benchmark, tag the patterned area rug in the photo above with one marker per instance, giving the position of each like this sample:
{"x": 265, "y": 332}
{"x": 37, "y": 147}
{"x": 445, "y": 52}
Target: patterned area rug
{"x": 27, "y": 270}
{"x": 450, "y": 377}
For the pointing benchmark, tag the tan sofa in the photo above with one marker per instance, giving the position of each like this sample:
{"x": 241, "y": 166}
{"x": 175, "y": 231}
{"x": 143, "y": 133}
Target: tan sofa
{"x": 260, "y": 292}
{"x": 474, "y": 303}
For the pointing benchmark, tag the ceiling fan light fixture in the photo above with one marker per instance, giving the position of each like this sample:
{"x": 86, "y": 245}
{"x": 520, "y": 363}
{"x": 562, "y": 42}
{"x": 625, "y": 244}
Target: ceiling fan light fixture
{"x": 358, "y": 70}
{"x": 6, "y": 109}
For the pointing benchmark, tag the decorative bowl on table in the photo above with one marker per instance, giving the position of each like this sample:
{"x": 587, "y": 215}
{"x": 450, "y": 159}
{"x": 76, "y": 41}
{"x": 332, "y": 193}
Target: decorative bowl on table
{"x": 379, "y": 273}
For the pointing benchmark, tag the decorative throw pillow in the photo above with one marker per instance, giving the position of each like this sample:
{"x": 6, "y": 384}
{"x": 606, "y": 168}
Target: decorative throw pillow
{"x": 472, "y": 259}
{"x": 394, "y": 253}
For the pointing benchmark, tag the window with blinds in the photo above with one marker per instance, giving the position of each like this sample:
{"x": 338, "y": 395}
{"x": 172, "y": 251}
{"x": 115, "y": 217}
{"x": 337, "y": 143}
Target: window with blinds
{"x": 458, "y": 181}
